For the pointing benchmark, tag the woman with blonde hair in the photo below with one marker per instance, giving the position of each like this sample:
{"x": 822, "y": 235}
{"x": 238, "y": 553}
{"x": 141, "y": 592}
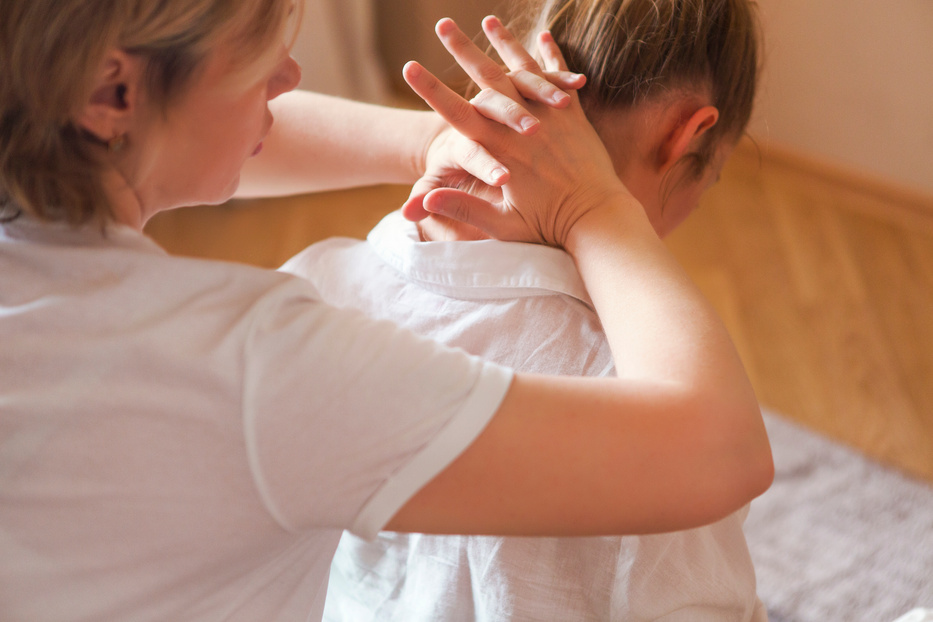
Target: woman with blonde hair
{"x": 186, "y": 439}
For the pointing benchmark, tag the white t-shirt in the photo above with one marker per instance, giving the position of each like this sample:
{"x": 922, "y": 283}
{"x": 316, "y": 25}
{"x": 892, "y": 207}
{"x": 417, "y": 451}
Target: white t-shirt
{"x": 184, "y": 439}
{"x": 523, "y": 306}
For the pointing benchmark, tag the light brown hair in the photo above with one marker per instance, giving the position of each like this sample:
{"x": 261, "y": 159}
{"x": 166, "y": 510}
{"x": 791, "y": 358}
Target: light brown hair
{"x": 635, "y": 50}
{"x": 50, "y": 51}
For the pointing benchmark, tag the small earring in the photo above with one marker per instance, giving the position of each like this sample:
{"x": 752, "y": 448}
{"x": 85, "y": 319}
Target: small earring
{"x": 116, "y": 144}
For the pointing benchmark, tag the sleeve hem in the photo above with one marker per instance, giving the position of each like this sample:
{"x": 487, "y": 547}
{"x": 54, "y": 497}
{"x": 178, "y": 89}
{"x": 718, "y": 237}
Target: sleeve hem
{"x": 456, "y": 436}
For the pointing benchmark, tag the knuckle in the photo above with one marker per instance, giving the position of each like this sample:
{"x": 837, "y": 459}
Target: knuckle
{"x": 490, "y": 72}
{"x": 473, "y": 152}
{"x": 496, "y": 105}
{"x": 531, "y": 81}
{"x": 523, "y": 75}
{"x": 512, "y": 109}
{"x": 483, "y": 97}
{"x": 530, "y": 65}
{"x": 458, "y": 210}
{"x": 460, "y": 113}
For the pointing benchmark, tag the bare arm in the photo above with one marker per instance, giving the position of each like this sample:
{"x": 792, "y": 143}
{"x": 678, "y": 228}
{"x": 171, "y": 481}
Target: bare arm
{"x": 679, "y": 446}
{"x": 319, "y": 142}
{"x": 675, "y": 443}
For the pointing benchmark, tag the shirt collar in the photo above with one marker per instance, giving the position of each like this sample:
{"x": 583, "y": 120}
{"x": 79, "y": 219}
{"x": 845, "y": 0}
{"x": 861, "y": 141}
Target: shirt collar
{"x": 476, "y": 270}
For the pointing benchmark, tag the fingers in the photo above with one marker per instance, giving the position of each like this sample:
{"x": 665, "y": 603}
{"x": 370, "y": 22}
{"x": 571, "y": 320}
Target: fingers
{"x": 556, "y": 66}
{"x": 526, "y": 74}
{"x": 482, "y": 70}
{"x": 497, "y": 107}
{"x": 471, "y": 162}
{"x": 462, "y": 207}
{"x": 413, "y": 207}
{"x": 458, "y": 112}
{"x": 427, "y": 199}
{"x": 510, "y": 49}
{"x": 550, "y": 52}
{"x": 543, "y": 89}
{"x": 566, "y": 80}
{"x": 476, "y": 214}
{"x": 440, "y": 229}
{"x": 527, "y": 80}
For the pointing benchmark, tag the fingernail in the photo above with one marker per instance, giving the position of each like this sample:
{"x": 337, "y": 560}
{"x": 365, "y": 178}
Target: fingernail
{"x": 498, "y": 174}
{"x": 560, "y": 97}
{"x": 528, "y": 123}
{"x": 412, "y": 68}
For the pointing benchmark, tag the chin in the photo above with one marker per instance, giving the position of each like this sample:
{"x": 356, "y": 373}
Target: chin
{"x": 224, "y": 195}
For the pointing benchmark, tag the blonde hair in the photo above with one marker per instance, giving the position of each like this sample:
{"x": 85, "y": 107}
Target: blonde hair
{"x": 51, "y": 50}
{"x": 635, "y": 50}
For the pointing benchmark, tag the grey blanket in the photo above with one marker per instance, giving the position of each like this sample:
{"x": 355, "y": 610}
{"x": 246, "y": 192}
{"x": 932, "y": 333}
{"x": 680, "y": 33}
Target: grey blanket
{"x": 839, "y": 536}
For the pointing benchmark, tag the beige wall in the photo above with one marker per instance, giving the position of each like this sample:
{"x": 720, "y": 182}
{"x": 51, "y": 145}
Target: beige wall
{"x": 851, "y": 82}
{"x": 336, "y": 48}
{"x": 406, "y": 32}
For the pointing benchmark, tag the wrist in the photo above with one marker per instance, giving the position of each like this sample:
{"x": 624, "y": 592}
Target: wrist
{"x": 614, "y": 217}
{"x": 432, "y": 126}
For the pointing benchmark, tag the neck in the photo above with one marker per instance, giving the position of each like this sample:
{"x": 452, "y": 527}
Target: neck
{"x": 125, "y": 205}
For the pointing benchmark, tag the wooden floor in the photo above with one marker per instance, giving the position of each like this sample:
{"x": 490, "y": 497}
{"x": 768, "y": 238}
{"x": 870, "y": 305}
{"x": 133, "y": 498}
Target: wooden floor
{"x": 826, "y": 288}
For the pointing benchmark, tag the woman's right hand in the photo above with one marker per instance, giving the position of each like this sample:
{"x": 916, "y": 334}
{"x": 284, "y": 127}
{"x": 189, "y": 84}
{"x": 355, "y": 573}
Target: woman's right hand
{"x": 556, "y": 175}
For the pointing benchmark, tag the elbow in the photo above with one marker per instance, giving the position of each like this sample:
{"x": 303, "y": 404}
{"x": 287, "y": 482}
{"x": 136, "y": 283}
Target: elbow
{"x": 748, "y": 465}
{"x": 761, "y": 469}
{"x": 764, "y": 468}
{"x": 752, "y": 445}
{"x": 738, "y": 464}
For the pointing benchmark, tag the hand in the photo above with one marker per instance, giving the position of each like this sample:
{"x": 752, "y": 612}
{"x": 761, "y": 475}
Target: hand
{"x": 437, "y": 228}
{"x": 453, "y": 160}
{"x": 556, "y": 174}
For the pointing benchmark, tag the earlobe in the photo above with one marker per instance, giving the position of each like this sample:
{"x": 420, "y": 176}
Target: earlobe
{"x": 687, "y": 130}
{"x": 113, "y": 100}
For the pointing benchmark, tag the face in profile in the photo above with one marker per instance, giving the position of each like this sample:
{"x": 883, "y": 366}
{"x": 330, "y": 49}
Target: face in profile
{"x": 202, "y": 142}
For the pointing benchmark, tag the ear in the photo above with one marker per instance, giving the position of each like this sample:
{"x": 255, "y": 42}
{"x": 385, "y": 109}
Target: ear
{"x": 688, "y": 128}
{"x": 114, "y": 99}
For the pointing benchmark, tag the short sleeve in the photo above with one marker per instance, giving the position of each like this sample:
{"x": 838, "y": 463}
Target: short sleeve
{"x": 347, "y": 417}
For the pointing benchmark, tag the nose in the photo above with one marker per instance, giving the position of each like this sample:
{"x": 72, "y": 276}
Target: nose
{"x": 286, "y": 78}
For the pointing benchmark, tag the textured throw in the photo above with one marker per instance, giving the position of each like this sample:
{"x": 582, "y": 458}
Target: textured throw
{"x": 839, "y": 537}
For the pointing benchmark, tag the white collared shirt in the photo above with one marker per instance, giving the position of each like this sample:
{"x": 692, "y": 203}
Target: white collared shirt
{"x": 523, "y": 306}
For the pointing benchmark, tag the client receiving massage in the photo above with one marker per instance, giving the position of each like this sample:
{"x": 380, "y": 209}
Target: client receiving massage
{"x": 670, "y": 90}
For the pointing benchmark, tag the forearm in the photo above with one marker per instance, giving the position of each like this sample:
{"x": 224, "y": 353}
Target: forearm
{"x": 676, "y": 442}
{"x": 668, "y": 339}
{"x": 659, "y": 324}
{"x": 320, "y": 143}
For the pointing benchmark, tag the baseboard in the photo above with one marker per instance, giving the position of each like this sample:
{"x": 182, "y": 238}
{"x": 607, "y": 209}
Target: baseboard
{"x": 913, "y": 203}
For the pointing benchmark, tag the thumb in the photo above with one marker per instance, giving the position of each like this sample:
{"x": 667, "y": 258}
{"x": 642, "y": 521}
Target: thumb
{"x": 473, "y": 211}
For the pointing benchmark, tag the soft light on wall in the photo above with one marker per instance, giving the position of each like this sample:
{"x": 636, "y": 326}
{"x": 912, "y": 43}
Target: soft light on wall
{"x": 849, "y": 81}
